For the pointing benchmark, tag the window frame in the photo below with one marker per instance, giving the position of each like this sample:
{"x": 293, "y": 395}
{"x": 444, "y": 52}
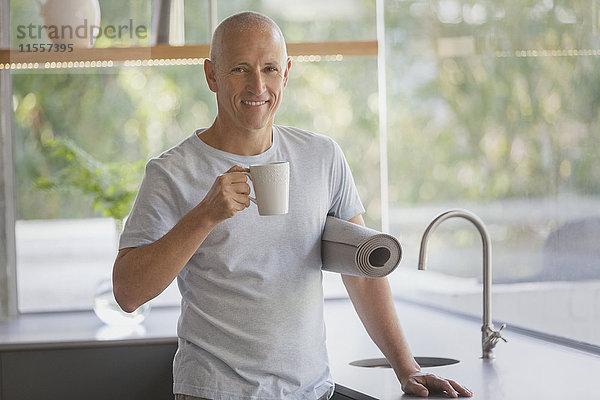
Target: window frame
{"x": 8, "y": 275}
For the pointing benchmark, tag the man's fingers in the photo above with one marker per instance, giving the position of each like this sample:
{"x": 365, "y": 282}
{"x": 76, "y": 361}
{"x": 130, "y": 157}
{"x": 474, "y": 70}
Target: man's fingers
{"x": 244, "y": 200}
{"x": 229, "y": 193}
{"x": 237, "y": 168}
{"x": 452, "y": 388}
{"x": 462, "y": 390}
{"x": 438, "y": 384}
{"x": 232, "y": 179}
{"x": 241, "y": 188}
{"x": 441, "y": 385}
{"x": 421, "y": 384}
{"x": 235, "y": 177}
{"x": 414, "y": 387}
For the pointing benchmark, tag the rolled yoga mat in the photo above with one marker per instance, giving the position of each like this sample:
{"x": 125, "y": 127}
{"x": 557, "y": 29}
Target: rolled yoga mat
{"x": 352, "y": 249}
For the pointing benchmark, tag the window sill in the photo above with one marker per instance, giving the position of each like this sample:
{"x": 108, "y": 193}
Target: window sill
{"x": 77, "y": 329}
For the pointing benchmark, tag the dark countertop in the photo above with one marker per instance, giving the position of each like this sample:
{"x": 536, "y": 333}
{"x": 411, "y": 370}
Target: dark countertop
{"x": 524, "y": 368}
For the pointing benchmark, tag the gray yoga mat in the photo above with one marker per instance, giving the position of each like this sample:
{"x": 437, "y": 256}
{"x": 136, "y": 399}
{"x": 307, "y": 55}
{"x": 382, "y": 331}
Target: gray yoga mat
{"x": 352, "y": 249}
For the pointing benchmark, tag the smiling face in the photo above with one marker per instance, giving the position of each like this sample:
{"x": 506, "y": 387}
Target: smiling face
{"x": 248, "y": 73}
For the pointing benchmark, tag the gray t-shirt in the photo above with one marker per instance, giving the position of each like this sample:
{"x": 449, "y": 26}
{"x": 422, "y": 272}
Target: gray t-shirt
{"x": 251, "y": 324}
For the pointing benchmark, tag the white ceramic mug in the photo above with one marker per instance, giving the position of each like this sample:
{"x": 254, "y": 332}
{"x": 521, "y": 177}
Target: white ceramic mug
{"x": 271, "y": 186}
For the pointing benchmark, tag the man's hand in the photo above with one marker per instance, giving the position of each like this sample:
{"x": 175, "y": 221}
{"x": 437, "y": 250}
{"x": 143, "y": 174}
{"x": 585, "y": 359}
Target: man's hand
{"x": 421, "y": 384}
{"x": 228, "y": 194}
{"x": 142, "y": 273}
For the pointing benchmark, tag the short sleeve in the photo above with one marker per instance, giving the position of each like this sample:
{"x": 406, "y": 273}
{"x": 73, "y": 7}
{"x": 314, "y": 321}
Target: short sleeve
{"x": 154, "y": 211}
{"x": 345, "y": 201}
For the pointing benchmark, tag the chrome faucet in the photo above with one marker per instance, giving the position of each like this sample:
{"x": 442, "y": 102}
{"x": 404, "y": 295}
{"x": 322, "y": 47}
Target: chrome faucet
{"x": 489, "y": 336}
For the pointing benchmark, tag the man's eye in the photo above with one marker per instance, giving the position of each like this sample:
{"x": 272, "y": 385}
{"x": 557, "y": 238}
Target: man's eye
{"x": 238, "y": 69}
{"x": 271, "y": 69}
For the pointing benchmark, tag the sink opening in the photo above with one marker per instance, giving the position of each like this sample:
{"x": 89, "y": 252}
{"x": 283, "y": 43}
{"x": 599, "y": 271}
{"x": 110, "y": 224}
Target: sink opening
{"x": 424, "y": 362}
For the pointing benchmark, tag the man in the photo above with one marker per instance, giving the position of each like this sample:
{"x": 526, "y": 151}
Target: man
{"x": 251, "y": 324}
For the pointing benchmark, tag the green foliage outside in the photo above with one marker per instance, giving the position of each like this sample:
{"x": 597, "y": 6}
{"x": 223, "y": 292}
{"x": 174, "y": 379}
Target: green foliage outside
{"x": 488, "y": 107}
{"x": 491, "y": 124}
{"x": 112, "y": 186}
{"x": 127, "y": 115}
{"x": 476, "y": 126}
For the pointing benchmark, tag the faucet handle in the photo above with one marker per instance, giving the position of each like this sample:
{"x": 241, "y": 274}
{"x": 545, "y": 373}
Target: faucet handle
{"x": 498, "y": 334}
{"x": 495, "y": 336}
{"x": 491, "y": 337}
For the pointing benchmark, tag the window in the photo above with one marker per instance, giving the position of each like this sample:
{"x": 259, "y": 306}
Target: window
{"x": 494, "y": 108}
{"x": 82, "y": 136}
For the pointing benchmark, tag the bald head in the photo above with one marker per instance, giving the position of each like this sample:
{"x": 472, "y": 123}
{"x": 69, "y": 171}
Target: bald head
{"x": 241, "y": 23}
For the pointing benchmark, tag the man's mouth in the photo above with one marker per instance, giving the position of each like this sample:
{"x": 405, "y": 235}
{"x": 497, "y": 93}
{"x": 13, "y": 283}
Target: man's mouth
{"x": 254, "y": 103}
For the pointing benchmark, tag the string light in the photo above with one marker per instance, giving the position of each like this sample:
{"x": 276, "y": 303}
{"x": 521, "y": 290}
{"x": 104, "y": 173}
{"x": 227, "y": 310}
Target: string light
{"x": 103, "y": 63}
{"x": 548, "y": 53}
{"x": 317, "y": 58}
{"x": 163, "y": 62}
{"x": 303, "y": 58}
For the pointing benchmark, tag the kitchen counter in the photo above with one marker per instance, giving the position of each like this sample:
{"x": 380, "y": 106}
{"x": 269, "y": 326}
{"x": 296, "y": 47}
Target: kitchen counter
{"x": 524, "y": 368}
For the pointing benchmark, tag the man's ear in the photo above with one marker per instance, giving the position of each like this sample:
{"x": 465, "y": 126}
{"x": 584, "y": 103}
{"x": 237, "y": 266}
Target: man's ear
{"x": 286, "y": 74}
{"x": 211, "y": 75}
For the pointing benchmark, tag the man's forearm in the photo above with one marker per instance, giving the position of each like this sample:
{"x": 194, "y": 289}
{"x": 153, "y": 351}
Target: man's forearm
{"x": 372, "y": 299}
{"x": 374, "y": 305}
{"x": 142, "y": 273}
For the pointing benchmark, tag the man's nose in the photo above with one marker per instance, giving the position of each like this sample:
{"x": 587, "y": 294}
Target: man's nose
{"x": 256, "y": 83}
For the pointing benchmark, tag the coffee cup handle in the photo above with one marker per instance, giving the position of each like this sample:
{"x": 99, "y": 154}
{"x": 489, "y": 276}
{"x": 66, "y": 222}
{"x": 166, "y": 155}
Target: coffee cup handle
{"x": 252, "y": 199}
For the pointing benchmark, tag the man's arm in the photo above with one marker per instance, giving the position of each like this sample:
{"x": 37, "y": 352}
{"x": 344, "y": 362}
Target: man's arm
{"x": 372, "y": 299}
{"x": 142, "y": 273}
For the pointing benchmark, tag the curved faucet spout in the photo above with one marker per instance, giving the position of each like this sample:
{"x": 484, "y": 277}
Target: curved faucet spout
{"x": 489, "y": 336}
